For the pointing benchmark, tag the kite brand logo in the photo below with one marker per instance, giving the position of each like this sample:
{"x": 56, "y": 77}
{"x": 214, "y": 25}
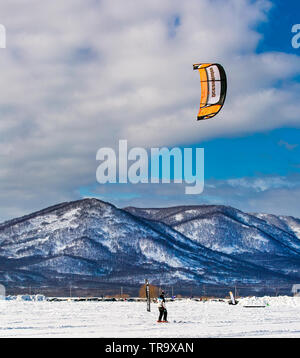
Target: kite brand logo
{"x": 2, "y": 36}
{"x": 296, "y": 38}
{"x": 186, "y": 167}
{"x": 213, "y": 86}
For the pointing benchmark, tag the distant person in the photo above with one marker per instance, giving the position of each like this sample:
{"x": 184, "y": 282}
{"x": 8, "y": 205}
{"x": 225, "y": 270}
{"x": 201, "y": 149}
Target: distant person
{"x": 163, "y": 313}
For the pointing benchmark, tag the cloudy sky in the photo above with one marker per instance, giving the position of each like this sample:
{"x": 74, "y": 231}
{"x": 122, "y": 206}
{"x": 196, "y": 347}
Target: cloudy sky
{"x": 78, "y": 75}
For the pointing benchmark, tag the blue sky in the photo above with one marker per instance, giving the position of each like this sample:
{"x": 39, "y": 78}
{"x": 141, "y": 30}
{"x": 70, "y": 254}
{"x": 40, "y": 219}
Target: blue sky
{"x": 79, "y": 75}
{"x": 277, "y": 30}
{"x": 274, "y": 152}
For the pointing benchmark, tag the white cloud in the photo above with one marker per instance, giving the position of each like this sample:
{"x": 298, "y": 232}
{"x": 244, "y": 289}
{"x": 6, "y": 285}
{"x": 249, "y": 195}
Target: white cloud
{"x": 81, "y": 74}
{"x": 287, "y": 145}
{"x": 262, "y": 183}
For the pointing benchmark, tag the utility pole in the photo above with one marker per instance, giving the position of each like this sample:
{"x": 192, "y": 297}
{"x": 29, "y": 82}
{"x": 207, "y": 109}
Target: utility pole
{"x": 148, "y": 295}
{"x": 121, "y": 292}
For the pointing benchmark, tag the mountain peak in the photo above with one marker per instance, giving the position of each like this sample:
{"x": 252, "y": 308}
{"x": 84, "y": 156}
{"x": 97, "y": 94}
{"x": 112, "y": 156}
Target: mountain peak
{"x": 61, "y": 206}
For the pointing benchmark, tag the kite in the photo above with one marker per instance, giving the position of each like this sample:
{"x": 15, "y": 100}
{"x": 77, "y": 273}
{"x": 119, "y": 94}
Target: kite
{"x": 213, "y": 89}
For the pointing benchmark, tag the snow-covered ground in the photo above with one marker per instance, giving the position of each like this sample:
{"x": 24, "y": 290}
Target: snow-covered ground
{"x": 280, "y": 318}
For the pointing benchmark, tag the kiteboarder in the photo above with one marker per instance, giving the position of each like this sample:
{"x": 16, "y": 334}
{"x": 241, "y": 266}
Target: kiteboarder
{"x": 161, "y": 302}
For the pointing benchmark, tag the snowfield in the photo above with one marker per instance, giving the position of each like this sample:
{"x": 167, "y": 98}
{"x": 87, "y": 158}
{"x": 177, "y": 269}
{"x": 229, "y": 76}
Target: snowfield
{"x": 188, "y": 318}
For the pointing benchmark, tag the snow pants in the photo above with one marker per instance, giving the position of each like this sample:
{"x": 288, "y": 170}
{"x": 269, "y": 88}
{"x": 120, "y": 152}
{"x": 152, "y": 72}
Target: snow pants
{"x": 162, "y": 313}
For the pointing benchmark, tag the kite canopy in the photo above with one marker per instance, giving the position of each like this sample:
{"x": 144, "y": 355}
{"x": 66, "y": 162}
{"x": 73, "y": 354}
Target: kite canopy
{"x": 213, "y": 89}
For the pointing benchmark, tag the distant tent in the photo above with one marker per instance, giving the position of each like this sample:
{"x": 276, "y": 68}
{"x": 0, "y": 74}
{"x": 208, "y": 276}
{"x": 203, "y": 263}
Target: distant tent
{"x": 296, "y": 290}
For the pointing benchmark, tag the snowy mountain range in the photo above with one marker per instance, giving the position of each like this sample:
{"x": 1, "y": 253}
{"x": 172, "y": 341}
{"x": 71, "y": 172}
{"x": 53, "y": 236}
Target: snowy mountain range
{"x": 90, "y": 241}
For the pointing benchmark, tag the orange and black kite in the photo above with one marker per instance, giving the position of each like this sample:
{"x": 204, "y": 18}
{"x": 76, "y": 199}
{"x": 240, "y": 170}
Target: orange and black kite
{"x": 213, "y": 89}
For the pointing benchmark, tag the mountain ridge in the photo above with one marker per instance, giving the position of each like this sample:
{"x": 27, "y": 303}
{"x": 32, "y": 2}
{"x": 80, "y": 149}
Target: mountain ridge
{"x": 91, "y": 241}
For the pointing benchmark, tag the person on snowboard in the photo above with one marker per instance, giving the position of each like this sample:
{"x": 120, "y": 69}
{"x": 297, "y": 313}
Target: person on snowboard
{"x": 161, "y": 302}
